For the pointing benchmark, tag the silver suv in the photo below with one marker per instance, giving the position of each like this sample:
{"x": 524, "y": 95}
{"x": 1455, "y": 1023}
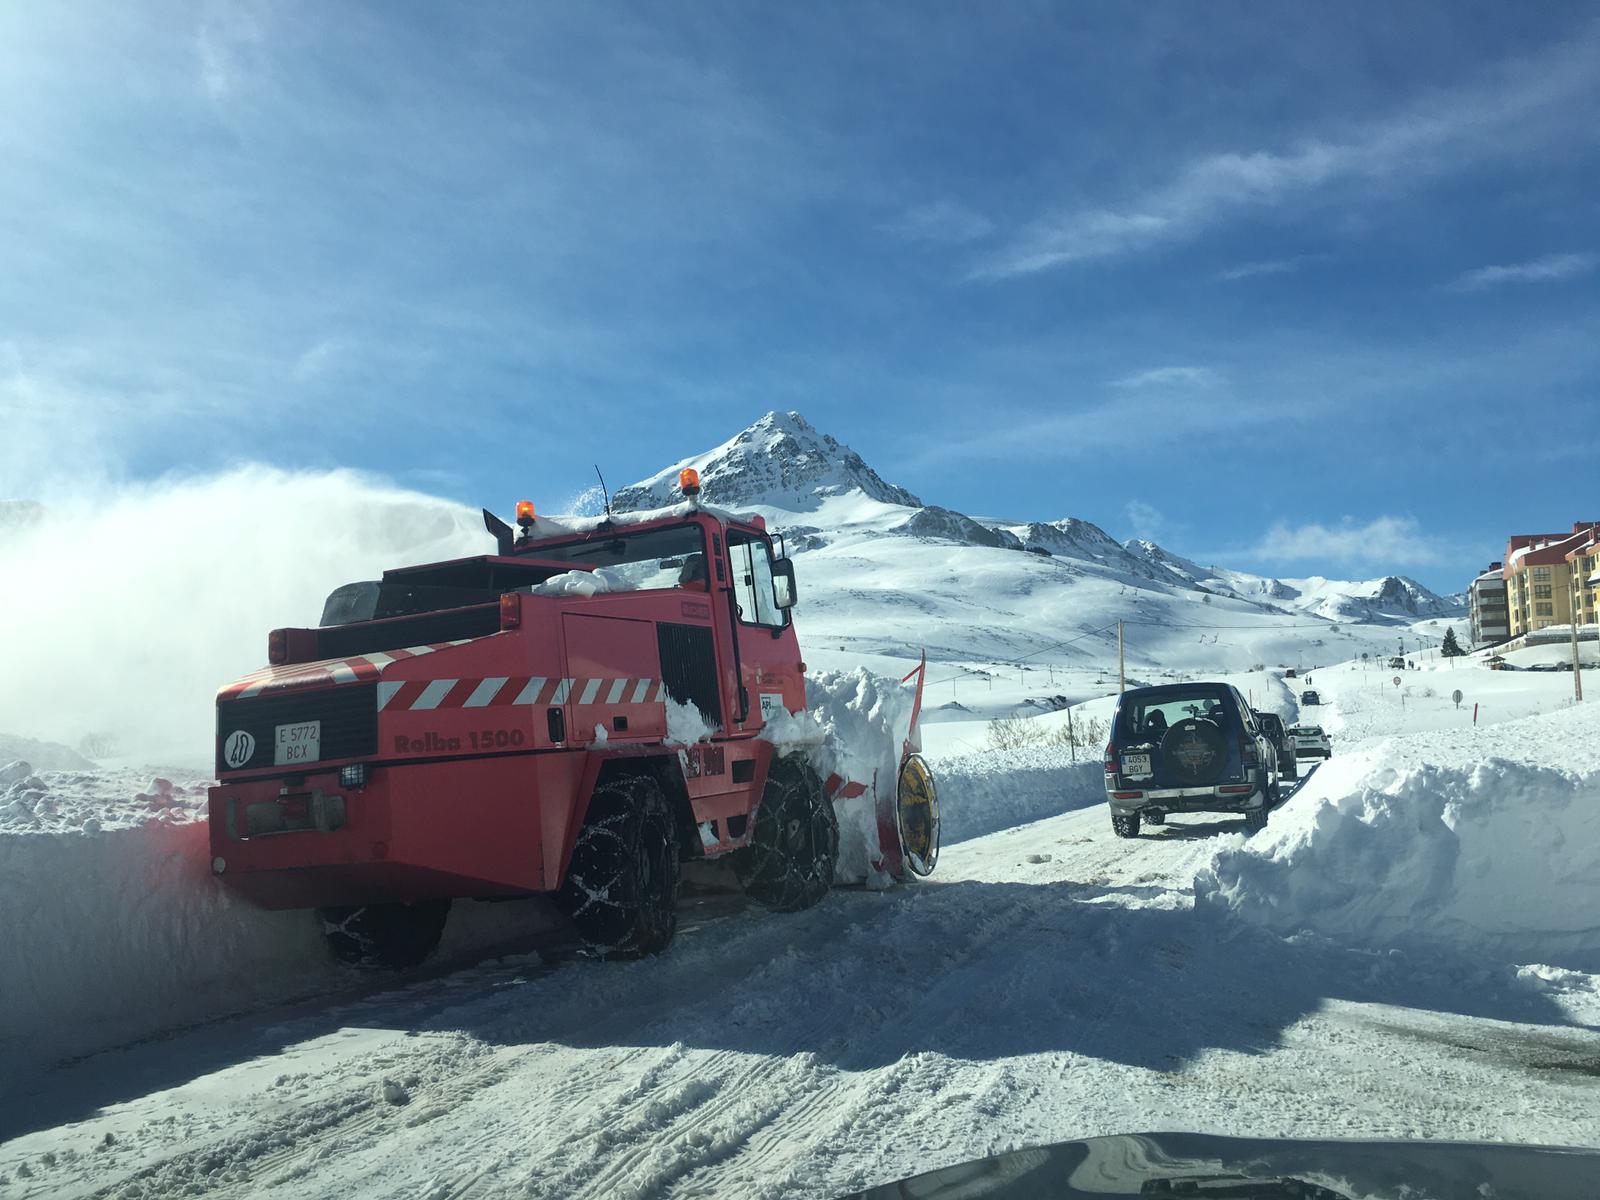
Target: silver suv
{"x": 1310, "y": 741}
{"x": 1188, "y": 747}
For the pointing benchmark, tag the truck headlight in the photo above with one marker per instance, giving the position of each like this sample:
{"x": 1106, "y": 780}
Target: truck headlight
{"x": 353, "y": 776}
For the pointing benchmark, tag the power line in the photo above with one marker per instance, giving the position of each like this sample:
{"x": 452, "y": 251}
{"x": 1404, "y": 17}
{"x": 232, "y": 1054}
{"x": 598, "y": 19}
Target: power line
{"x": 1024, "y": 658}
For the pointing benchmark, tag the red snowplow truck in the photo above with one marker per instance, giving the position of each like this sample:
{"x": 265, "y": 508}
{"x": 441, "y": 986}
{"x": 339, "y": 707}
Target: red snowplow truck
{"x": 574, "y": 716}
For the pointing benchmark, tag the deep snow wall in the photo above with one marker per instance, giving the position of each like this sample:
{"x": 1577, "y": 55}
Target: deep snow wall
{"x": 115, "y": 929}
{"x": 990, "y": 790}
{"x": 109, "y": 936}
{"x": 1467, "y": 842}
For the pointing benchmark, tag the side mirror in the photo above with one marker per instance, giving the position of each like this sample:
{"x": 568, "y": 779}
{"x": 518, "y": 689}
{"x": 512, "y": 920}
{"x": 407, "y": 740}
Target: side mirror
{"x": 783, "y": 591}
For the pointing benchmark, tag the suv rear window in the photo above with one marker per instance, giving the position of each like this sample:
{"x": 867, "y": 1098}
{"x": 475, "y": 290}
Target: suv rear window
{"x": 1147, "y": 717}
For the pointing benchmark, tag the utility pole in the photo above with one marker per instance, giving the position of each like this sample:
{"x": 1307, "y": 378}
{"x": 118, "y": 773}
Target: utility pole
{"x": 1122, "y": 681}
{"x": 1577, "y": 680}
{"x": 1072, "y": 738}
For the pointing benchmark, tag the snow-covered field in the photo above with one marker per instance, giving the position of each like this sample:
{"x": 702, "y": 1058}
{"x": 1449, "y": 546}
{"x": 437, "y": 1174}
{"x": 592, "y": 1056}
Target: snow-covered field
{"x": 1407, "y": 950}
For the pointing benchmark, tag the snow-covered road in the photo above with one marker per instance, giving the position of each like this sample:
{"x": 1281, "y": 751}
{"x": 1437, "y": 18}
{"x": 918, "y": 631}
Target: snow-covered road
{"x": 1051, "y": 982}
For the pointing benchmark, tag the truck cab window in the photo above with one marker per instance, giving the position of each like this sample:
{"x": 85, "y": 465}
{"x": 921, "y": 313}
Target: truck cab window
{"x": 751, "y": 561}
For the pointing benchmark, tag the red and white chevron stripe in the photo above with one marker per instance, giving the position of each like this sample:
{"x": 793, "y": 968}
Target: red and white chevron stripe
{"x": 504, "y": 690}
{"x": 361, "y": 668}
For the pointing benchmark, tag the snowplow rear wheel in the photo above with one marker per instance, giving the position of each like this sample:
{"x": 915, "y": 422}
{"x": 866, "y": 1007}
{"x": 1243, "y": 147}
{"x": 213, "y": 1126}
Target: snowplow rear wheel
{"x": 794, "y": 848}
{"x": 385, "y": 937}
{"x": 621, "y": 889}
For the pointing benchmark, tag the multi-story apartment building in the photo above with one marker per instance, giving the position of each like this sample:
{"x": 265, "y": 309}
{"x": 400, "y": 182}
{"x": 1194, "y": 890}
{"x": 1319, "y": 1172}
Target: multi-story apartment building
{"x": 1538, "y": 574}
{"x": 1583, "y": 570}
{"x": 1486, "y": 605}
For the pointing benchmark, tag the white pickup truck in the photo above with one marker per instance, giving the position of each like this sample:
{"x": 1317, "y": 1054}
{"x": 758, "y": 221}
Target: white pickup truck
{"x": 1311, "y": 742}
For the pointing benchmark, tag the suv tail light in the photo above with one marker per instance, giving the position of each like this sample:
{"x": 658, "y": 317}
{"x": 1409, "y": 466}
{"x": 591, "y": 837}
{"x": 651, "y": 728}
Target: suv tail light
{"x": 1111, "y": 758}
{"x": 1249, "y": 755}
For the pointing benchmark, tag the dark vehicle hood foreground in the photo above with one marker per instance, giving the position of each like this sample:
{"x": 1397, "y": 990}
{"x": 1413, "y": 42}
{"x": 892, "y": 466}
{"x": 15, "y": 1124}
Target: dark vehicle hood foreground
{"x": 1191, "y": 1164}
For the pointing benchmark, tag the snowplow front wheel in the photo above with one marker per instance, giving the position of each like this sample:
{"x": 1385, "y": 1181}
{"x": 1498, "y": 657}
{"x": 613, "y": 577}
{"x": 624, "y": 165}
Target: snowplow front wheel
{"x": 794, "y": 848}
{"x": 385, "y": 937}
{"x": 621, "y": 889}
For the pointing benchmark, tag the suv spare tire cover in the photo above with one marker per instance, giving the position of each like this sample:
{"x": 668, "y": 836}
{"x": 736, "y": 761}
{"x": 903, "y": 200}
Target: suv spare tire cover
{"x": 1194, "y": 752}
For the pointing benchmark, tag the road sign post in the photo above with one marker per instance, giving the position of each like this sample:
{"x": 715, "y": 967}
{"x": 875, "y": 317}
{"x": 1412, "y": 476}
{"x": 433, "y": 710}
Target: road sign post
{"x": 1456, "y": 696}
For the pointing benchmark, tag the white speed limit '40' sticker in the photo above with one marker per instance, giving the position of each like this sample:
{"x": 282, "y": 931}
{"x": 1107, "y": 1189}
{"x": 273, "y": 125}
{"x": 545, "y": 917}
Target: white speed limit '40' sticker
{"x": 239, "y": 748}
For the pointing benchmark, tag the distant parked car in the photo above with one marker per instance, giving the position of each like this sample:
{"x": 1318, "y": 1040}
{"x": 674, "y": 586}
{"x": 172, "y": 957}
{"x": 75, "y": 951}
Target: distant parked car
{"x": 1272, "y": 725}
{"x": 1397, "y": 664}
{"x": 1311, "y": 742}
{"x": 1289, "y": 674}
{"x": 1187, "y": 747}
{"x": 1310, "y": 697}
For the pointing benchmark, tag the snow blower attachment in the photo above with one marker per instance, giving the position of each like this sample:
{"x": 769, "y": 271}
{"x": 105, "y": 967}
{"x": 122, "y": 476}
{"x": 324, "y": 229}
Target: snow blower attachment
{"x": 571, "y": 717}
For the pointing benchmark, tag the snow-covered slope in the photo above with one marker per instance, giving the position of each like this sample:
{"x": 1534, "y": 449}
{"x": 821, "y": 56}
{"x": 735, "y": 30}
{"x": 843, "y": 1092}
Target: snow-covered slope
{"x": 1393, "y": 599}
{"x": 883, "y": 576}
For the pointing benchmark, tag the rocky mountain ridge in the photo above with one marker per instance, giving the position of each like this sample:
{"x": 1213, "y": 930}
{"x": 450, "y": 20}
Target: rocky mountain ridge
{"x": 784, "y": 467}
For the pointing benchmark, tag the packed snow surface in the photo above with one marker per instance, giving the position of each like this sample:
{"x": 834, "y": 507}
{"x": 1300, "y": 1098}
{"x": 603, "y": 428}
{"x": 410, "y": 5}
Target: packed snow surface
{"x": 1051, "y": 981}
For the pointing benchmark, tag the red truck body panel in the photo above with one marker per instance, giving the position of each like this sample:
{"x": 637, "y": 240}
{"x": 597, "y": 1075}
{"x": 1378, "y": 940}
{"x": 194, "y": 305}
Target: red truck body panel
{"x": 479, "y": 753}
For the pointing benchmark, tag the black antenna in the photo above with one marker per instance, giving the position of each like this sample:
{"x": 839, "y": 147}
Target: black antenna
{"x": 603, "y": 492}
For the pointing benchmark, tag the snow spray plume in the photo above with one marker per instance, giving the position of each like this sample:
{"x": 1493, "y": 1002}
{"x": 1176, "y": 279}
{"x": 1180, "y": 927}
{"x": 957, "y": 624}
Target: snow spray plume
{"x": 120, "y": 615}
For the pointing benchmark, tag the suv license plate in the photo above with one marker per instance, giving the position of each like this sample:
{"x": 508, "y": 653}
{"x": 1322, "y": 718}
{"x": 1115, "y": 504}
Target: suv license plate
{"x": 1136, "y": 764}
{"x": 296, "y": 744}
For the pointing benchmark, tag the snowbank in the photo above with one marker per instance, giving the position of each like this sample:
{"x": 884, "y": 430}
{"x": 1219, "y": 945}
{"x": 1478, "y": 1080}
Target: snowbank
{"x": 999, "y": 789}
{"x": 1464, "y": 840}
{"x": 114, "y": 928}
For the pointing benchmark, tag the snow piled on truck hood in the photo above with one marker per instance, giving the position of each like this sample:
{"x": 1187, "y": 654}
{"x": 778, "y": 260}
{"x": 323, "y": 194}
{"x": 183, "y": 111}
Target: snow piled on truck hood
{"x": 1461, "y": 839}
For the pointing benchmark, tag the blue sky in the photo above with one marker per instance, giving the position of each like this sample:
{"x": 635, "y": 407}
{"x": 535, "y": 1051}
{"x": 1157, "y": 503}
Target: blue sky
{"x": 1297, "y": 288}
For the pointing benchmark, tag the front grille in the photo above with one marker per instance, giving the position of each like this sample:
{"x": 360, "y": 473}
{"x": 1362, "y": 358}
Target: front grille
{"x": 348, "y": 712}
{"x": 689, "y": 667}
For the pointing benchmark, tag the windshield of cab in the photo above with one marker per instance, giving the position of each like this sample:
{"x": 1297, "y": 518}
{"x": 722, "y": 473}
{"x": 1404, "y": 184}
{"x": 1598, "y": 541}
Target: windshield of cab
{"x": 647, "y": 559}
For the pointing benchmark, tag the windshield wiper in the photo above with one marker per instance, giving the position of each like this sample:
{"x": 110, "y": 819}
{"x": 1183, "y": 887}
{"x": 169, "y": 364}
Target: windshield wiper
{"x": 1239, "y": 1187}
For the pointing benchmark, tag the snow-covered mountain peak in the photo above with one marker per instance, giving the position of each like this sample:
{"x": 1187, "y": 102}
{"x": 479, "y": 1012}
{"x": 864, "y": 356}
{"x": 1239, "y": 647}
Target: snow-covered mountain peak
{"x": 1393, "y": 597}
{"x": 779, "y": 462}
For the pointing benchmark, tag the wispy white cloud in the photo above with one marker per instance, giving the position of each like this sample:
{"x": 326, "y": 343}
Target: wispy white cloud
{"x": 1146, "y": 520}
{"x": 1387, "y": 540}
{"x": 1193, "y": 377}
{"x": 1273, "y": 266}
{"x": 942, "y": 221}
{"x": 1540, "y": 270}
{"x": 1448, "y": 132}
{"x": 225, "y": 43}
{"x": 1144, "y": 418}
{"x": 319, "y": 360}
